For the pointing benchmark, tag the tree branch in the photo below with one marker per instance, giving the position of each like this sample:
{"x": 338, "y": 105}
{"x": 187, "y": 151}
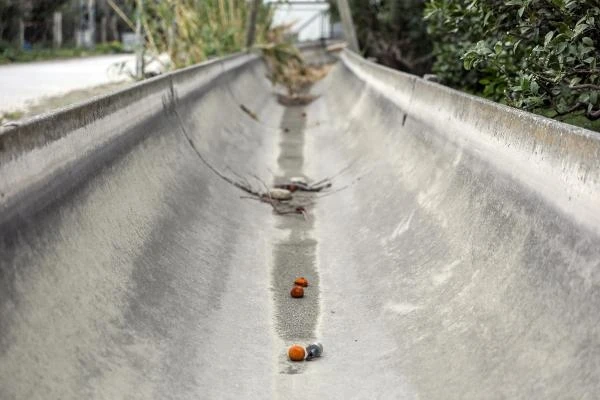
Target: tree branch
{"x": 586, "y": 86}
{"x": 568, "y": 111}
{"x": 594, "y": 114}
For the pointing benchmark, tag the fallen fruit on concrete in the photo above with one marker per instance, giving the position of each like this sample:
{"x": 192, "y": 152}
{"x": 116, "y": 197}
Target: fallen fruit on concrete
{"x": 313, "y": 351}
{"x": 297, "y": 292}
{"x": 296, "y": 353}
{"x": 301, "y": 281}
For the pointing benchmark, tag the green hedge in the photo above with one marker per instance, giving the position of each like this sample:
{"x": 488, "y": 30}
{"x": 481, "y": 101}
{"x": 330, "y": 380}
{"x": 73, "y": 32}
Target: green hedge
{"x": 539, "y": 55}
{"x": 9, "y": 53}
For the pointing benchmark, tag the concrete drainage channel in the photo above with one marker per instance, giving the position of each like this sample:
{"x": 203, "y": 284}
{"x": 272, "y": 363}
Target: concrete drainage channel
{"x": 295, "y": 256}
{"x": 456, "y": 257}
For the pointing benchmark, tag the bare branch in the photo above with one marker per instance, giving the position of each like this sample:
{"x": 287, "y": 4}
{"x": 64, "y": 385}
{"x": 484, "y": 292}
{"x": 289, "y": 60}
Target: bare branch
{"x": 585, "y": 86}
{"x": 209, "y": 165}
{"x": 594, "y": 114}
{"x": 568, "y": 111}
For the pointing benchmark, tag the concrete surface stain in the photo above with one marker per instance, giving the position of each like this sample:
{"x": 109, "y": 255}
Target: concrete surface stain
{"x": 446, "y": 273}
{"x": 402, "y": 308}
{"x": 295, "y": 319}
{"x": 403, "y": 226}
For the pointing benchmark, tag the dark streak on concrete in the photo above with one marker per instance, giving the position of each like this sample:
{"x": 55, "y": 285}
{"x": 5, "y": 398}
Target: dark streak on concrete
{"x": 465, "y": 267}
{"x": 296, "y": 319}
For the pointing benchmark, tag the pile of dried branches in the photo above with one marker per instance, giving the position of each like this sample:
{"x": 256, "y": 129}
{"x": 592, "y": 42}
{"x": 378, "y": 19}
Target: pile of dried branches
{"x": 288, "y": 68}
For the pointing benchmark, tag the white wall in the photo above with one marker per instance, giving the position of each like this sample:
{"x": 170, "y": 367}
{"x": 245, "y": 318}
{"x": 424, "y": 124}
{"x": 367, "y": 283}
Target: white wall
{"x": 300, "y": 14}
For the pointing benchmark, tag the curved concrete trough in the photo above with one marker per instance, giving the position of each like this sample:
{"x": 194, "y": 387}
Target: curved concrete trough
{"x": 456, "y": 256}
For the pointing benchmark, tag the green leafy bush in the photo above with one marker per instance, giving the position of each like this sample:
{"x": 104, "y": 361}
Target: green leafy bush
{"x": 10, "y": 53}
{"x": 532, "y": 54}
{"x": 114, "y": 47}
{"x": 453, "y": 28}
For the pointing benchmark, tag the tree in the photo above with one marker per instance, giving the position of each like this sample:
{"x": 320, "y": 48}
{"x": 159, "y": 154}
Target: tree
{"x": 392, "y": 31}
{"x": 40, "y": 18}
{"x": 10, "y": 11}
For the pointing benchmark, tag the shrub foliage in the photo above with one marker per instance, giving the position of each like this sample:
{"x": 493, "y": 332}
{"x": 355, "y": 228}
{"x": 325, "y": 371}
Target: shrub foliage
{"x": 532, "y": 54}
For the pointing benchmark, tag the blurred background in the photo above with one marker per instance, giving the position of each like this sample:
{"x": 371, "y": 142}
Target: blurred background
{"x": 57, "y": 52}
{"x": 538, "y": 56}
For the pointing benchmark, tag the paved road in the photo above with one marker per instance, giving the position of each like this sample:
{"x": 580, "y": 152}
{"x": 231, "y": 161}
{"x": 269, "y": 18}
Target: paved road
{"x": 21, "y": 84}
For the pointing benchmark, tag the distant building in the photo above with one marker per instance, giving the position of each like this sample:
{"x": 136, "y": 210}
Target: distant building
{"x": 310, "y": 18}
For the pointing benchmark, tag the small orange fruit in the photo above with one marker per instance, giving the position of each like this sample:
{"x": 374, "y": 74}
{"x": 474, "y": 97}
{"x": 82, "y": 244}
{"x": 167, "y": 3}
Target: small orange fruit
{"x": 297, "y": 292}
{"x": 296, "y": 353}
{"x": 301, "y": 281}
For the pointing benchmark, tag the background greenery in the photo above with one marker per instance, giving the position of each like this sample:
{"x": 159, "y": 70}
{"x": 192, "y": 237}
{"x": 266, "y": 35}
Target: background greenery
{"x": 9, "y": 53}
{"x": 193, "y": 30}
{"x": 392, "y": 31}
{"x": 538, "y": 55}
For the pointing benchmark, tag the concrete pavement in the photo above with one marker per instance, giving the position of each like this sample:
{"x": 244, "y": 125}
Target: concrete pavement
{"x": 455, "y": 257}
{"x": 22, "y": 84}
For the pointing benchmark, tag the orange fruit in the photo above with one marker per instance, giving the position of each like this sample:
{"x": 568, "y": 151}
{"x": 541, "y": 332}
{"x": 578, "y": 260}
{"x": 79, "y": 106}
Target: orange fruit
{"x": 301, "y": 281}
{"x": 296, "y": 353}
{"x": 297, "y": 292}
